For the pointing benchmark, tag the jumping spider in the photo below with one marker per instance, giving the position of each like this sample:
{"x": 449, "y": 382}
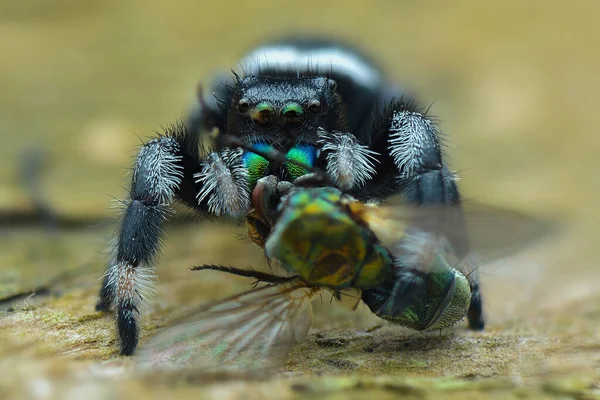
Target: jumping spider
{"x": 319, "y": 102}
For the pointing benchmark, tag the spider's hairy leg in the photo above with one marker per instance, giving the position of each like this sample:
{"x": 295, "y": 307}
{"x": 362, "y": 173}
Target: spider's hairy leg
{"x": 208, "y": 112}
{"x": 158, "y": 176}
{"x": 414, "y": 156}
{"x": 166, "y": 169}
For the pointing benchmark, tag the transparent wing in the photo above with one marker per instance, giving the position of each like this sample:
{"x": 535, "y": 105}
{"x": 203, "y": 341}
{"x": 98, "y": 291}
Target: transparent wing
{"x": 482, "y": 231}
{"x": 433, "y": 238}
{"x": 254, "y": 330}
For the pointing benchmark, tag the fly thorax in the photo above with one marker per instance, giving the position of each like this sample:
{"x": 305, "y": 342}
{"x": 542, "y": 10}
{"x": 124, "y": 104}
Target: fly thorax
{"x": 316, "y": 239}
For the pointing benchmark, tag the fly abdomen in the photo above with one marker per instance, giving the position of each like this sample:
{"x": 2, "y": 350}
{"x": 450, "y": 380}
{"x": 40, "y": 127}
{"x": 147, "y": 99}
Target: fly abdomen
{"x": 434, "y": 300}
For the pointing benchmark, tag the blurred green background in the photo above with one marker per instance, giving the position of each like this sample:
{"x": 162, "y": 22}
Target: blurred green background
{"x": 514, "y": 84}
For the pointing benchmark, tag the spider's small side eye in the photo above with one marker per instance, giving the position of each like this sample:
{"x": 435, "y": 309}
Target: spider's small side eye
{"x": 314, "y": 106}
{"x": 332, "y": 85}
{"x": 243, "y": 106}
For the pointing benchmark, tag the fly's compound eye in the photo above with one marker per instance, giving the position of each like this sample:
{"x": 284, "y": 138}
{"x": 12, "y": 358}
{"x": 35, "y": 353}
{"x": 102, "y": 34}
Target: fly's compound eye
{"x": 262, "y": 114}
{"x": 314, "y": 106}
{"x": 292, "y": 114}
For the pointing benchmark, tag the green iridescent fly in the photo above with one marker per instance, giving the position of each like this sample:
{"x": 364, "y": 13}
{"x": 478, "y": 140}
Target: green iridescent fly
{"x": 328, "y": 239}
{"x": 398, "y": 257}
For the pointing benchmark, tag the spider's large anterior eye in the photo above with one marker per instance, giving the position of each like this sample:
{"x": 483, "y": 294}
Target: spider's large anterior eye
{"x": 263, "y": 113}
{"x": 292, "y": 113}
{"x": 314, "y": 106}
{"x": 243, "y": 106}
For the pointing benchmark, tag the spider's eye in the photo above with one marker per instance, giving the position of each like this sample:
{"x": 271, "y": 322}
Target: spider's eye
{"x": 243, "y": 106}
{"x": 332, "y": 85}
{"x": 292, "y": 113}
{"x": 262, "y": 113}
{"x": 314, "y": 106}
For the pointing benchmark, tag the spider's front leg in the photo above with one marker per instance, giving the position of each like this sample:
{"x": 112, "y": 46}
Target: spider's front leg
{"x": 413, "y": 164}
{"x": 167, "y": 168}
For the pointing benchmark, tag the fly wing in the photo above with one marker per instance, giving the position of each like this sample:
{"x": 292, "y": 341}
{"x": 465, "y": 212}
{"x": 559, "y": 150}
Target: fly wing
{"x": 437, "y": 237}
{"x": 252, "y": 331}
{"x": 483, "y": 232}
{"x": 496, "y": 232}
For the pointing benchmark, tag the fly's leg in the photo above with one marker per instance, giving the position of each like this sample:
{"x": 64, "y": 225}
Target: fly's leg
{"x": 412, "y": 163}
{"x": 167, "y": 168}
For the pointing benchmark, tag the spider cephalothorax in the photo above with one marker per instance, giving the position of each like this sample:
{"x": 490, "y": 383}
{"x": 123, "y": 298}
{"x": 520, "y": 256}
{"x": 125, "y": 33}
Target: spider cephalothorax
{"x": 320, "y": 103}
{"x": 283, "y": 110}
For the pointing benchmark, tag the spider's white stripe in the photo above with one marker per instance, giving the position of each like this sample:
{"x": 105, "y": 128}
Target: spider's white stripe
{"x": 339, "y": 60}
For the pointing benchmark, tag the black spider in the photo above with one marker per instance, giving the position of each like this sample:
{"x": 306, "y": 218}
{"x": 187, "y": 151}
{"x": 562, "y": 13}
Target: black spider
{"x": 319, "y": 102}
